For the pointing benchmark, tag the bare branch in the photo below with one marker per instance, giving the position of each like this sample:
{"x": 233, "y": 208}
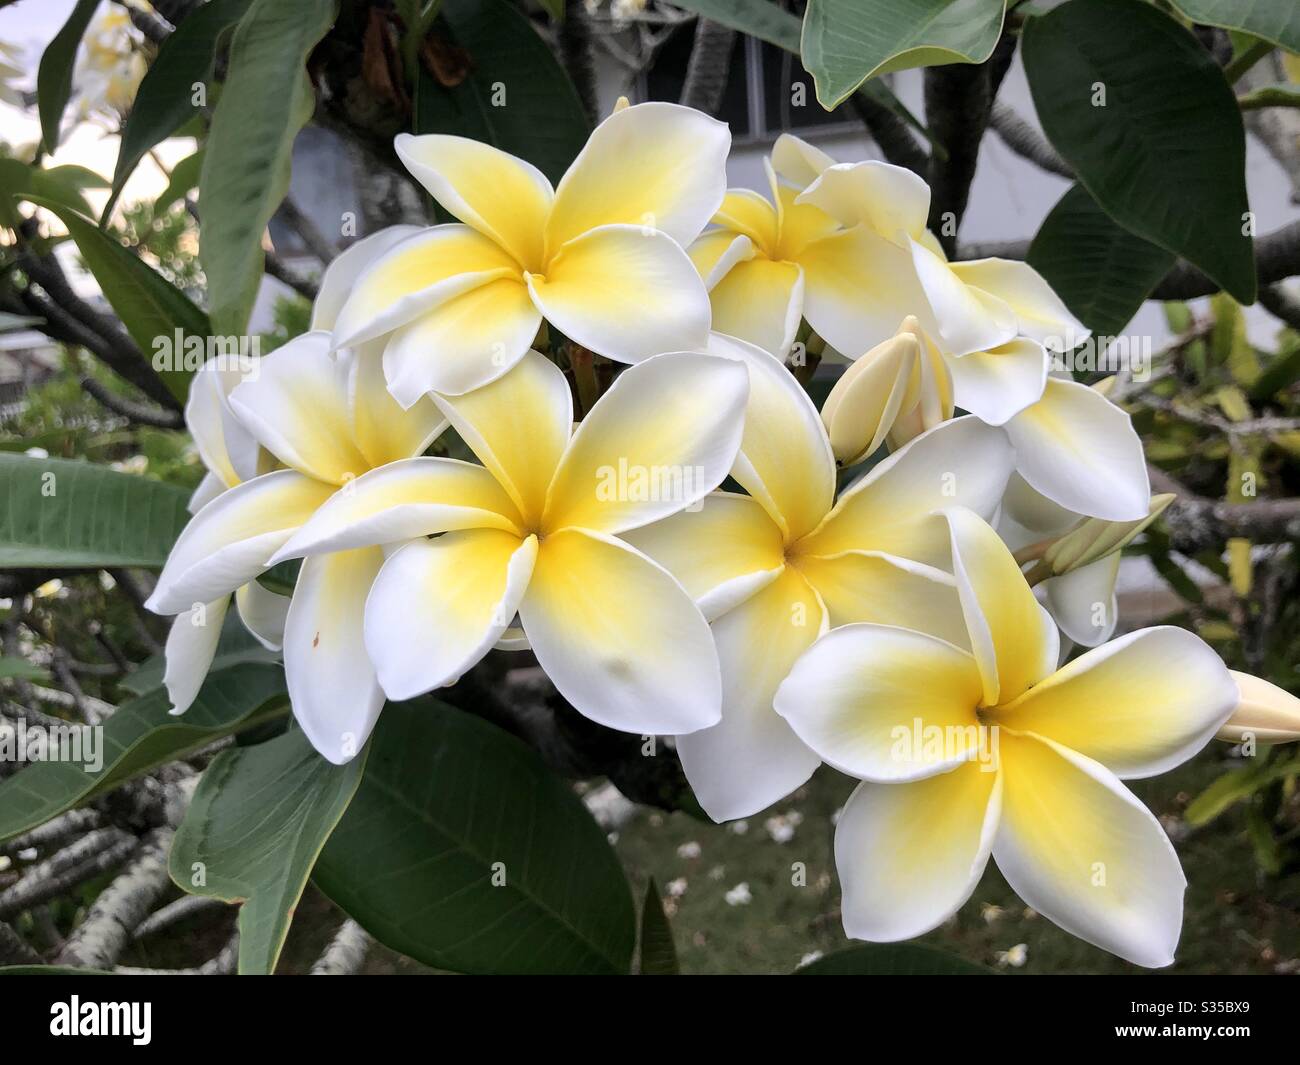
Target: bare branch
{"x": 709, "y": 66}
{"x": 63, "y": 827}
{"x": 1018, "y": 135}
{"x": 99, "y": 851}
{"x": 1196, "y": 523}
{"x": 891, "y": 134}
{"x": 174, "y": 912}
{"x": 346, "y": 952}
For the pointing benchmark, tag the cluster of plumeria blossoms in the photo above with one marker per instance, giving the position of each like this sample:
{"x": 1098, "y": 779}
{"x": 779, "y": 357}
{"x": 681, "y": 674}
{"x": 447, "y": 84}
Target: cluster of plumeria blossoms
{"x": 876, "y": 620}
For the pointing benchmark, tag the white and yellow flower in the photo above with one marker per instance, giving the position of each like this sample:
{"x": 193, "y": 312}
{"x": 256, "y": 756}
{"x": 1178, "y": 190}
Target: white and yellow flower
{"x": 1264, "y": 713}
{"x": 600, "y": 257}
{"x": 534, "y": 532}
{"x": 323, "y": 420}
{"x": 995, "y": 751}
{"x": 775, "y": 568}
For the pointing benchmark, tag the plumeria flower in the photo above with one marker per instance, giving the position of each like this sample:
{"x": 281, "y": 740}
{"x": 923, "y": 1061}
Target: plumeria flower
{"x": 324, "y": 420}
{"x": 775, "y": 568}
{"x": 231, "y": 455}
{"x": 534, "y": 531}
{"x": 996, "y": 751}
{"x": 460, "y": 304}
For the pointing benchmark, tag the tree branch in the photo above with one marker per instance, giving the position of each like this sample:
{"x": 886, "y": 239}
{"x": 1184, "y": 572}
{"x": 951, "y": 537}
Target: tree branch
{"x": 346, "y": 952}
{"x": 892, "y": 136}
{"x": 709, "y": 66}
{"x": 1196, "y": 523}
{"x": 1025, "y": 141}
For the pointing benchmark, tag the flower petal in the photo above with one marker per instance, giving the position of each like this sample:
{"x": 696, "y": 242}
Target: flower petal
{"x": 662, "y": 438}
{"x": 519, "y": 427}
{"x": 968, "y": 319}
{"x": 224, "y": 443}
{"x": 1139, "y": 705}
{"x": 857, "y": 287}
{"x": 909, "y": 855}
{"x": 997, "y": 385}
{"x": 715, "y": 253}
{"x": 894, "y": 507}
{"x": 297, "y": 407}
{"x": 653, "y": 164}
{"x": 191, "y": 646}
{"x": 228, "y": 542}
{"x": 1076, "y": 845}
{"x": 1081, "y": 451}
{"x": 620, "y": 639}
{"x": 1083, "y": 601}
{"x": 438, "y": 606}
{"x": 503, "y": 197}
{"x": 866, "y": 586}
{"x": 890, "y": 200}
{"x": 597, "y": 292}
{"x": 342, "y": 273}
{"x": 332, "y": 687}
{"x": 416, "y": 275}
{"x": 799, "y": 162}
{"x": 785, "y": 459}
{"x": 414, "y": 497}
{"x": 722, "y": 551}
{"x": 752, "y": 215}
{"x": 1014, "y": 639}
{"x": 751, "y": 758}
{"x": 1040, "y": 312}
{"x": 883, "y": 703}
{"x": 462, "y": 344}
{"x": 760, "y": 301}
{"x": 263, "y": 613}
{"x": 383, "y": 431}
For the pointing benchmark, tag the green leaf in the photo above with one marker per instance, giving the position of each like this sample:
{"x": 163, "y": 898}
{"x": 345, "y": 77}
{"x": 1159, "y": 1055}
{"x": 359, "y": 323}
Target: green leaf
{"x": 67, "y": 514}
{"x": 140, "y": 735}
{"x": 64, "y": 184}
{"x": 462, "y": 850}
{"x": 12, "y": 667}
{"x": 892, "y": 959}
{"x": 54, "y": 77}
{"x": 1277, "y": 21}
{"x": 541, "y": 120}
{"x": 778, "y": 27}
{"x": 266, "y": 100}
{"x": 658, "y": 953}
{"x": 258, "y": 820}
{"x": 846, "y": 42}
{"x": 164, "y": 101}
{"x": 1233, "y": 787}
{"x": 151, "y": 308}
{"x": 184, "y": 177}
{"x": 1101, "y": 270}
{"x": 1165, "y": 156}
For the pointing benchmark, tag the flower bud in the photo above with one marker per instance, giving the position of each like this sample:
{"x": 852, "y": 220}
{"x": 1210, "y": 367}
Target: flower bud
{"x": 1095, "y": 538}
{"x": 934, "y": 403}
{"x": 869, "y": 397}
{"x": 1265, "y": 711}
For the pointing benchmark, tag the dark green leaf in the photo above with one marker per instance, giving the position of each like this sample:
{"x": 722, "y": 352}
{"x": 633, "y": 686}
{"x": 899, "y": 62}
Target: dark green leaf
{"x": 165, "y": 100}
{"x": 185, "y": 176}
{"x": 1101, "y": 270}
{"x": 464, "y": 851}
{"x": 1165, "y": 155}
{"x": 776, "y": 26}
{"x": 1233, "y": 787}
{"x": 1277, "y": 21}
{"x": 65, "y": 514}
{"x": 19, "y": 180}
{"x": 540, "y": 117}
{"x": 845, "y": 42}
{"x": 892, "y": 959}
{"x": 139, "y": 735}
{"x": 266, "y": 100}
{"x": 259, "y": 818}
{"x": 54, "y": 77}
{"x": 152, "y": 309}
{"x": 658, "y": 953}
